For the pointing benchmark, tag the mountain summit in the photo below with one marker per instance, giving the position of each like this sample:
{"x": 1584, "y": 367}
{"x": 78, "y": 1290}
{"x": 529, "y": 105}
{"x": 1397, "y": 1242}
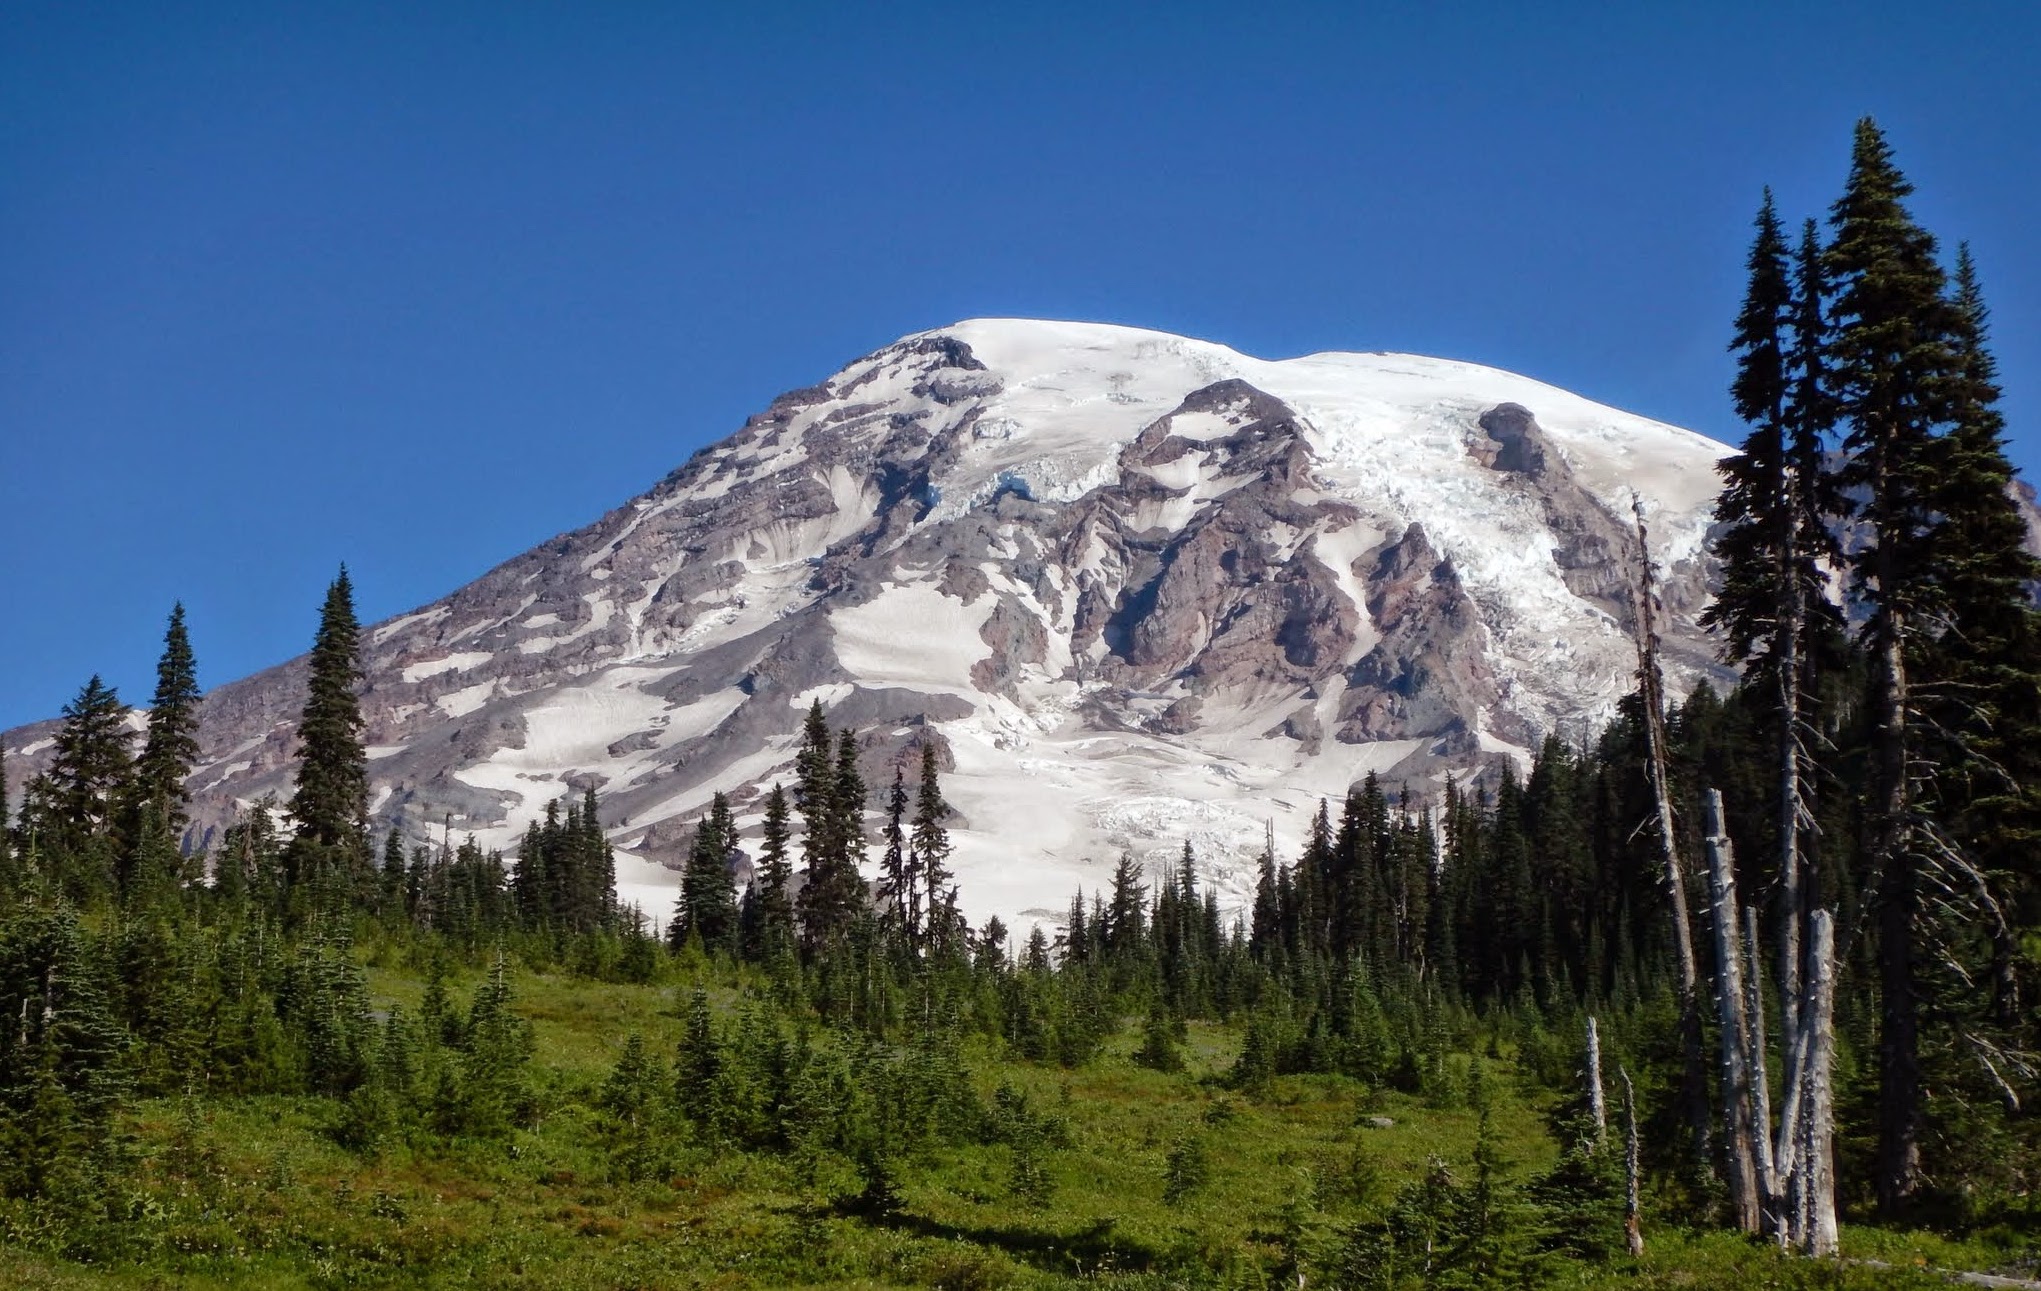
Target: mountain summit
{"x": 1136, "y": 588}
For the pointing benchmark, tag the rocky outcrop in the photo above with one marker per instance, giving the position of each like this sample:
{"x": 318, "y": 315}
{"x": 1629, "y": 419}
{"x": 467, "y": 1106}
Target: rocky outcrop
{"x": 1595, "y": 551}
{"x": 1428, "y": 675}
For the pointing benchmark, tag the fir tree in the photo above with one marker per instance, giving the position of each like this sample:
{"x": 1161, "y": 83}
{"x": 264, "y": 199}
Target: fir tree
{"x": 815, "y": 791}
{"x": 1125, "y": 930}
{"x": 775, "y": 878}
{"x": 330, "y": 807}
{"x": 10, "y": 877}
{"x": 1266, "y": 929}
{"x": 1981, "y": 684}
{"x": 897, "y": 885}
{"x": 1773, "y": 606}
{"x": 497, "y": 1048}
{"x": 849, "y": 797}
{"x": 832, "y": 893}
{"x": 930, "y": 845}
{"x": 391, "y": 898}
{"x": 93, "y": 763}
{"x": 61, "y": 1072}
{"x": 171, "y": 749}
{"x": 708, "y": 893}
{"x": 1892, "y": 357}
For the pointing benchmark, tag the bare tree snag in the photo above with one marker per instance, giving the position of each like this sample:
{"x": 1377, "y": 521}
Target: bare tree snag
{"x": 1817, "y": 1147}
{"x": 1651, "y": 688}
{"x": 1596, "y": 1107}
{"x": 1633, "y": 1228}
{"x": 1735, "y": 1035}
{"x": 1770, "y": 1186}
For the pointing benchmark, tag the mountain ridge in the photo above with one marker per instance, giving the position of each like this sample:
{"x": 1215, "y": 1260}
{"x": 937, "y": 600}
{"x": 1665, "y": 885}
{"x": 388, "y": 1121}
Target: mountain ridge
{"x": 1160, "y": 589}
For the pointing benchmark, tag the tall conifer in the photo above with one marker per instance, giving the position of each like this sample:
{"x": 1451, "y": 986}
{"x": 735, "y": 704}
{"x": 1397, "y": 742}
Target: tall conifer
{"x": 930, "y": 844}
{"x": 171, "y": 749}
{"x": 93, "y": 762}
{"x": 896, "y": 882}
{"x": 330, "y": 807}
{"x": 775, "y": 877}
{"x": 1981, "y": 677}
{"x": 1892, "y": 358}
{"x": 1774, "y": 537}
{"x": 708, "y": 893}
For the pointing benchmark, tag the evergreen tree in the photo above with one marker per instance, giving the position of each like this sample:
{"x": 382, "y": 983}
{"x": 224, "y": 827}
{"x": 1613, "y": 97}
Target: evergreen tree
{"x": 330, "y": 807}
{"x": 61, "y": 1046}
{"x": 595, "y": 903}
{"x": 1981, "y": 674}
{"x": 815, "y": 791}
{"x": 833, "y": 892}
{"x": 1773, "y": 607}
{"x": 849, "y": 797}
{"x": 171, "y": 749}
{"x": 775, "y": 879}
{"x": 708, "y": 893}
{"x": 497, "y": 1049}
{"x": 897, "y": 886}
{"x": 1892, "y": 358}
{"x": 930, "y": 845}
{"x": 531, "y": 887}
{"x": 92, "y": 765}
{"x": 391, "y": 898}
{"x": 1125, "y": 931}
{"x": 1267, "y": 916}
{"x": 152, "y": 872}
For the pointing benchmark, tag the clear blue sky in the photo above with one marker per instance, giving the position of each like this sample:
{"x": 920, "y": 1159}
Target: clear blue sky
{"x": 419, "y": 286}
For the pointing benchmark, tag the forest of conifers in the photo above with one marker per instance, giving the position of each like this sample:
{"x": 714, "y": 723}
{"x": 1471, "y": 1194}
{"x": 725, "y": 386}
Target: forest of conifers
{"x": 1800, "y": 921}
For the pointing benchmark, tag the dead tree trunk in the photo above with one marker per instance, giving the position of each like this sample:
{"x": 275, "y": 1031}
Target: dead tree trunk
{"x": 1633, "y": 1228}
{"x": 1735, "y": 1034}
{"x": 1596, "y": 1107}
{"x": 1818, "y": 1234}
{"x": 1770, "y": 1185}
{"x": 1651, "y": 688}
{"x": 1793, "y": 812}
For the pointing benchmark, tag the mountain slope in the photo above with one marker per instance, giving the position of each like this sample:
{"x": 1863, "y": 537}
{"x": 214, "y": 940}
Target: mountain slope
{"x": 1136, "y": 587}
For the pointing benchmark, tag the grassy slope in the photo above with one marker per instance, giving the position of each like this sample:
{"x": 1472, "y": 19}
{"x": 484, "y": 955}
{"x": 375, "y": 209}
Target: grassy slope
{"x": 261, "y": 1197}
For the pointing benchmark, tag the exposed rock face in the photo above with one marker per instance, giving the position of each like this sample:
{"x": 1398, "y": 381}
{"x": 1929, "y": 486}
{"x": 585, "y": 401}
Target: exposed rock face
{"x": 1133, "y": 588}
{"x": 1428, "y": 675}
{"x": 1596, "y": 552}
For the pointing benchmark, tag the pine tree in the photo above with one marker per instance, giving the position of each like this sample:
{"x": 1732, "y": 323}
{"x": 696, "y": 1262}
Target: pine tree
{"x": 1984, "y": 667}
{"x": 1266, "y": 930}
{"x": 61, "y": 1072}
{"x": 1125, "y": 933}
{"x": 1892, "y": 358}
{"x": 775, "y": 878}
{"x": 833, "y": 891}
{"x": 152, "y": 873}
{"x": 530, "y": 885}
{"x": 699, "y": 1068}
{"x": 92, "y": 764}
{"x": 850, "y": 804}
{"x": 930, "y": 845}
{"x": 330, "y": 807}
{"x": 497, "y": 1050}
{"x": 897, "y": 886}
{"x": 1774, "y": 537}
{"x": 708, "y": 893}
{"x": 171, "y": 749}
{"x": 815, "y": 790}
{"x": 391, "y": 898}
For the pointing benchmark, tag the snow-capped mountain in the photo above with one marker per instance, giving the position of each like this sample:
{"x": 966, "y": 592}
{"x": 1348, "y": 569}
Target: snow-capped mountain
{"x": 1137, "y": 587}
